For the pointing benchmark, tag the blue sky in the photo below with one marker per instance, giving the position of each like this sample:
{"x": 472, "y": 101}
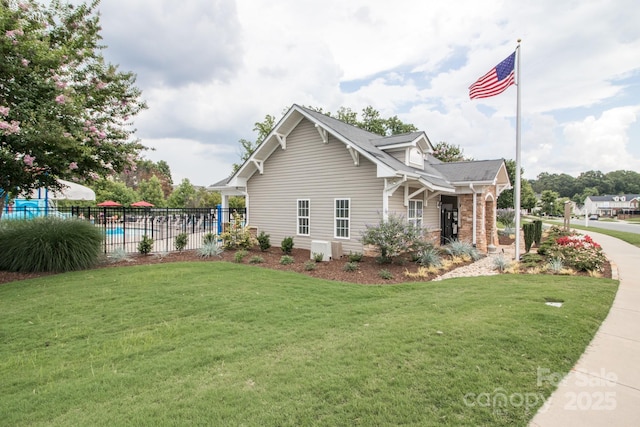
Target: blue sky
{"x": 210, "y": 69}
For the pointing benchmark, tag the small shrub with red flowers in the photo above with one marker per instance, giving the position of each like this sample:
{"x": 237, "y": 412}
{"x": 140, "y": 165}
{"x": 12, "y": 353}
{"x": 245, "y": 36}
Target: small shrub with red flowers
{"x": 579, "y": 251}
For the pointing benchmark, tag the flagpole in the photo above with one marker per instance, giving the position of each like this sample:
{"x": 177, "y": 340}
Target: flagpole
{"x": 518, "y": 161}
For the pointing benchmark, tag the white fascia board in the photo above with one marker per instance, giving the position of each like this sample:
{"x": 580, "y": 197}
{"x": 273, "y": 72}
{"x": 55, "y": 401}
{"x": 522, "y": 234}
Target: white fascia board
{"x": 432, "y": 187}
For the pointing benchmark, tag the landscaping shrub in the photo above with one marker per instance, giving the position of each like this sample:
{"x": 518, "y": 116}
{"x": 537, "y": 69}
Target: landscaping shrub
{"x": 393, "y": 237}
{"x": 537, "y": 235}
{"x": 145, "y": 246}
{"x": 351, "y": 266}
{"x": 49, "y": 244}
{"x": 430, "y": 258}
{"x": 263, "y": 241}
{"x": 209, "y": 238}
{"x": 530, "y": 260}
{"x": 355, "y": 256}
{"x": 286, "y": 260}
{"x": 310, "y": 265}
{"x": 501, "y": 263}
{"x": 507, "y": 217}
{"x": 287, "y": 245}
{"x": 529, "y": 234}
{"x": 119, "y": 254}
{"x": 579, "y": 252}
{"x": 256, "y": 259}
{"x": 236, "y": 235}
{"x": 385, "y": 274}
{"x": 210, "y": 249}
{"x": 181, "y": 241}
{"x": 318, "y": 257}
{"x": 458, "y": 248}
{"x": 240, "y": 255}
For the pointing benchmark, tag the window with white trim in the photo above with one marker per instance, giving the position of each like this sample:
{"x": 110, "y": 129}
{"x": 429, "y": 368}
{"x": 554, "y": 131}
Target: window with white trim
{"x": 414, "y": 216}
{"x": 342, "y": 219}
{"x": 304, "y": 212}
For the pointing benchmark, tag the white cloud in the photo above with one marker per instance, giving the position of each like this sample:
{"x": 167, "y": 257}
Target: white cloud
{"x": 210, "y": 70}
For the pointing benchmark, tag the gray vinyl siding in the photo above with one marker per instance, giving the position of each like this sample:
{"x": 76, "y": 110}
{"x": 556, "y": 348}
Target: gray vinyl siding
{"x": 430, "y": 214}
{"x": 321, "y": 173}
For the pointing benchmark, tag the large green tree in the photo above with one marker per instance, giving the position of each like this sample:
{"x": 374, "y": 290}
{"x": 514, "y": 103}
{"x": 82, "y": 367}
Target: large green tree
{"x": 151, "y": 191}
{"x": 527, "y": 196}
{"x": 64, "y": 111}
{"x": 183, "y": 196}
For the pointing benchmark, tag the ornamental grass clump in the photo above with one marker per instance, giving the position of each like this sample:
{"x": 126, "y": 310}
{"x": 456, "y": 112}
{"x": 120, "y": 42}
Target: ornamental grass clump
{"x": 49, "y": 244}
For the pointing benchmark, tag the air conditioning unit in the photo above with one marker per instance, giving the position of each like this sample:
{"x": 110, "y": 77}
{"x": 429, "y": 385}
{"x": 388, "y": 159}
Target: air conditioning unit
{"x": 321, "y": 247}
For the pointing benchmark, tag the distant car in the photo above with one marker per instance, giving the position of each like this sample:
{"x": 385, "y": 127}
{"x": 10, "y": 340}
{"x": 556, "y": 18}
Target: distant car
{"x": 593, "y": 217}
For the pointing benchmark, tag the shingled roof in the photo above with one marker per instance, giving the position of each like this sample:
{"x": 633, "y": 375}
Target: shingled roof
{"x": 434, "y": 173}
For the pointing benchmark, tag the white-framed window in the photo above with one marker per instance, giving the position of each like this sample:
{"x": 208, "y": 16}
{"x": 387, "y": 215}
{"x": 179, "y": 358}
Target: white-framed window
{"x": 304, "y": 213}
{"x": 342, "y": 218}
{"x": 414, "y": 215}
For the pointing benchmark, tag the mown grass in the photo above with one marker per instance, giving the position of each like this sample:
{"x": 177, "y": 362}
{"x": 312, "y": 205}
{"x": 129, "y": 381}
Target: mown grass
{"x": 227, "y": 344}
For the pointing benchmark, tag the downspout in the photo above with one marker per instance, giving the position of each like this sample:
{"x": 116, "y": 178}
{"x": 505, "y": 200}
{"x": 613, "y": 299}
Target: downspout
{"x": 474, "y": 214}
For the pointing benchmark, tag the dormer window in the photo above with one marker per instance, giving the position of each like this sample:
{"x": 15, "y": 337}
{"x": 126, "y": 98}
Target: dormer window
{"x": 416, "y": 158}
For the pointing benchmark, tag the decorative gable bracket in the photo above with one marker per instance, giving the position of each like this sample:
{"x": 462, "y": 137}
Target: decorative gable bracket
{"x": 323, "y": 134}
{"x": 259, "y": 164}
{"x": 354, "y": 155}
{"x": 282, "y": 139}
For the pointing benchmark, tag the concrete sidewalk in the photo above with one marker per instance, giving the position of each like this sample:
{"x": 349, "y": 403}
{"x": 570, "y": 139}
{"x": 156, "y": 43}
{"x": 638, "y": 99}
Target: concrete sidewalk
{"x": 603, "y": 389}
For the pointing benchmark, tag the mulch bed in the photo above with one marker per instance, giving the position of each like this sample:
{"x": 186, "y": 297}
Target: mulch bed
{"x": 368, "y": 269}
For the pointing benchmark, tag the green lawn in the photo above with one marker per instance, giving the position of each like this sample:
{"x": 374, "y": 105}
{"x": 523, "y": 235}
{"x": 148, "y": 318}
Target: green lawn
{"x": 225, "y": 344}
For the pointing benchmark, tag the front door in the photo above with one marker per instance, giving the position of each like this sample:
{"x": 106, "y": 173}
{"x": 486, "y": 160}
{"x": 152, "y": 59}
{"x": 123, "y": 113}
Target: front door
{"x": 449, "y": 221}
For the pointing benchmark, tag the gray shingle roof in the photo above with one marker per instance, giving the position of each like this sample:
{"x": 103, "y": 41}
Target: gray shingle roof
{"x": 478, "y": 170}
{"x": 436, "y": 172}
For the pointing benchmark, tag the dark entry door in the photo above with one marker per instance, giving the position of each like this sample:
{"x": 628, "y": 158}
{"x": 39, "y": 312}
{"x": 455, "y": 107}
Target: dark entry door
{"x": 449, "y": 221}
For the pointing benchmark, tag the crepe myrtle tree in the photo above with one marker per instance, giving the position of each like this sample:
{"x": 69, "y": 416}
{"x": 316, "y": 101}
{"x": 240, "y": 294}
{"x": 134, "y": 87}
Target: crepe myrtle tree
{"x": 64, "y": 112}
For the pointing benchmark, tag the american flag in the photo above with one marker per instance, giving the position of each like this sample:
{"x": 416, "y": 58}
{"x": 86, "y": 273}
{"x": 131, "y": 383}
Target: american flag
{"x": 495, "y": 81}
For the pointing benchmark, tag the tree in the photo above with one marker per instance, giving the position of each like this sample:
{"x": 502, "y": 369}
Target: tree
{"x": 64, "y": 111}
{"x": 446, "y": 152}
{"x": 184, "y": 196}
{"x": 107, "y": 189}
{"x": 527, "y": 196}
{"x": 263, "y": 128}
{"x": 549, "y": 203}
{"x": 144, "y": 170}
{"x": 206, "y": 198}
{"x": 151, "y": 191}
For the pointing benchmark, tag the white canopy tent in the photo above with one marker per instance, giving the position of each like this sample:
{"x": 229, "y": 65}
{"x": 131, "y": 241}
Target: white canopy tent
{"x": 71, "y": 191}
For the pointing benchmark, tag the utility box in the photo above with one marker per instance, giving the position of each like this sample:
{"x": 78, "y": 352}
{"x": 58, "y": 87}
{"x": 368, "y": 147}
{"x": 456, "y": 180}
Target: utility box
{"x": 321, "y": 247}
{"x": 336, "y": 250}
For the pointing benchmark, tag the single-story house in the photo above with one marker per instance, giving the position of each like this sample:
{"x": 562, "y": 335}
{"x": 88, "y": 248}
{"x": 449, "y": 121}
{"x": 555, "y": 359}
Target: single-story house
{"x": 611, "y": 205}
{"x": 321, "y": 181}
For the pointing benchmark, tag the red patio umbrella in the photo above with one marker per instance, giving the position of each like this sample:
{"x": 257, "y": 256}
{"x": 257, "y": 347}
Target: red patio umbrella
{"x": 142, "y": 204}
{"x": 108, "y": 204}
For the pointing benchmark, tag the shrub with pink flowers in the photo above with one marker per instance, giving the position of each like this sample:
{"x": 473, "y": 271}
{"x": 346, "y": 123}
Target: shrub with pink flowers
{"x": 579, "y": 251}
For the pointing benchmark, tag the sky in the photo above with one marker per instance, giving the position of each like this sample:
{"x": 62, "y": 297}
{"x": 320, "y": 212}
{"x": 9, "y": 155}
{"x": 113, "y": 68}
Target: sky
{"x": 210, "y": 69}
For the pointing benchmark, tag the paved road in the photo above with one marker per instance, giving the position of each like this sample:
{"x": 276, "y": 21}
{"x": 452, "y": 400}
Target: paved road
{"x": 618, "y": 226}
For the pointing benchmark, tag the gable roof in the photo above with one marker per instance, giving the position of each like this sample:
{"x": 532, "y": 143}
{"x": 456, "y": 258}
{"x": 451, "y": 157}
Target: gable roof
{"x": 435, "y": 175}
{"x": 484, "y": 171}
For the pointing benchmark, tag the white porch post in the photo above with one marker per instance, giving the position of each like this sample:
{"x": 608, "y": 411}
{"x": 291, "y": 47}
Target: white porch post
{"x": 385, "y": 202}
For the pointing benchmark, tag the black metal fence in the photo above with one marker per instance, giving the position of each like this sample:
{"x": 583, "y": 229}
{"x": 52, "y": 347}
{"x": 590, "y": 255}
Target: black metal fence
{"x": 124, "y": 227}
